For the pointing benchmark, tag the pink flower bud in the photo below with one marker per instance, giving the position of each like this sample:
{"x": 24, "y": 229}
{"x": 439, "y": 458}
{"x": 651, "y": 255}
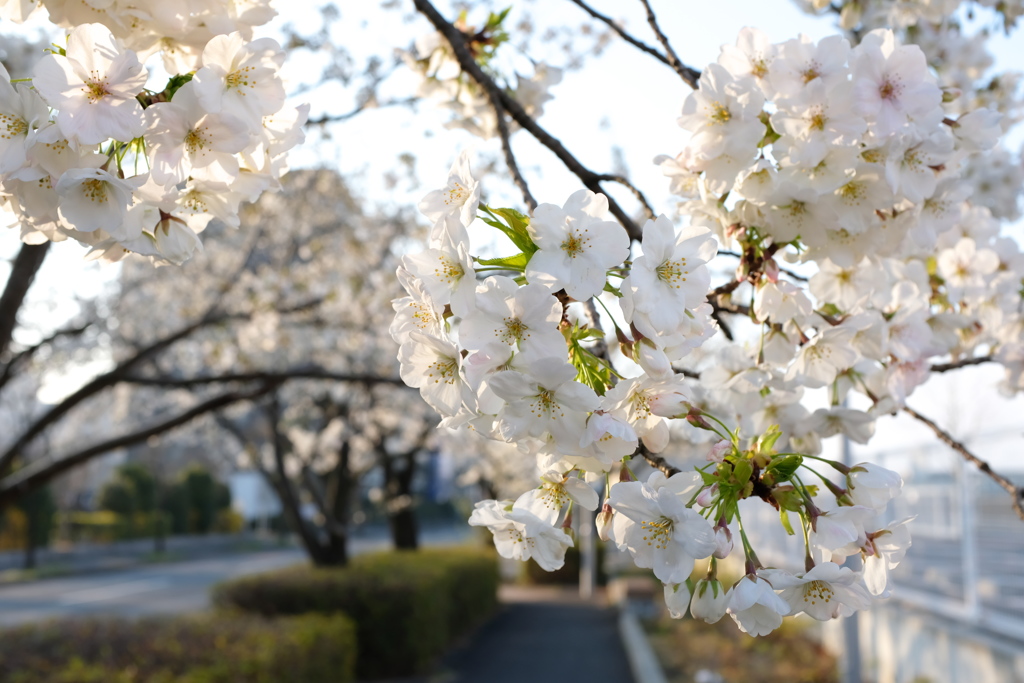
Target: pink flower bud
{"x": 604, "y": 521}
{"x": 718, "y": 451}
{"x": 708, "y": 496}
{"x": 723, "y": 542}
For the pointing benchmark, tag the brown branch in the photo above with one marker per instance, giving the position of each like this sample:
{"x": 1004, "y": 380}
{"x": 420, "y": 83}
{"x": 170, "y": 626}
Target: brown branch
{"x": 957, "y": 364}
{"x": 608, "y": 21}
{"x": 1016, "y": 492}
{"x": 26, "y": 355}
{"x": 590, "y": 179}
{"x": 307, "y": 372}
{"x": 790, "y": 273}
{"x": 23, "y": 271}
{"x": 117, "y": 374}
{"x": 690, "y": 76}
{"x": 656, "y": 461}
{"x": 37, "y": 474}
{"x": 359, "y": 109}
{"x": 648, "y": 211}
{"x": 494, "y": 95}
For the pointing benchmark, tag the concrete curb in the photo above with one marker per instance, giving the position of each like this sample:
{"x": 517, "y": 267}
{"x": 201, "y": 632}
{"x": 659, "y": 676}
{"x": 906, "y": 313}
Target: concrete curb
{"x": 642, "y": 661}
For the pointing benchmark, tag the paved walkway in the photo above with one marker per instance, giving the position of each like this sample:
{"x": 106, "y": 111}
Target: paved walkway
{"x": 541, "y": 635}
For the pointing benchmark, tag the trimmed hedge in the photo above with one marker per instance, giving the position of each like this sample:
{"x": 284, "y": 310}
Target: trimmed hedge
{"x": 407, "y": 606}
{"x": 207, "y": 649}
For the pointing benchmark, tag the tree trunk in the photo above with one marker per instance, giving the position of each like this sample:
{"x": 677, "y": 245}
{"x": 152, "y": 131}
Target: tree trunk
{"x": 23, "y": 271}
{"x": 30, "y": 539}
{"x": 401, "y": 513}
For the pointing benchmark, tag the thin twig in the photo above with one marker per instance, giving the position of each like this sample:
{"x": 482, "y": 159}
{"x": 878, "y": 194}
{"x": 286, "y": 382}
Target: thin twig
{"x": 26, "y": 355}
{"x": 790, "y": 273}
{"x": 1016, "y": 492}
{"x": 963, "y": 363}
{"x": 648, "y": 211}
{"x": 359, "y": 109}
{"x": 622, "y": 32}
{"x": 690, "y": 76}
{"x": 308, "y": 372}
{"x": 656, "y": 461}
{"x": 506, "y": 145}
{"x": 590, "y": 179}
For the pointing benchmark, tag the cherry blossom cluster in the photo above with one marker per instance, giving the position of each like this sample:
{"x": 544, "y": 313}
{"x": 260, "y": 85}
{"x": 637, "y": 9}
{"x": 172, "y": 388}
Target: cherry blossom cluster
{"x": 843, "y": 161}
{"x": 511, "y": 348}
{"x": 128, "y": 159}
{"x": 443, "y": 81}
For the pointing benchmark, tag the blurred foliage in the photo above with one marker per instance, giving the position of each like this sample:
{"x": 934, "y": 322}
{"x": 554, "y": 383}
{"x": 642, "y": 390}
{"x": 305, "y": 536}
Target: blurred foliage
{"x": 790, "y": 653}
{"x": 408, "y": 606}
{"x": 196, "y": 503}
{"x": 221, "y": 648}
{"x": 34, "y": 514}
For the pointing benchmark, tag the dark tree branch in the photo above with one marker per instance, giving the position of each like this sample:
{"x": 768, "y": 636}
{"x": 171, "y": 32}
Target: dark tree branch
{"x": 118, "y": 373}
{"x": 494, "y": 95}
{"x": 37, "y": 474}
{"x": 308, "y": 372}
{"x": 1016, "y": 492}
{"x": 26, "y": 355}
{"x": 359, "y": 109}
{"x": 590, "y": 179}
{"x": 648, "y": 211}
{"x": 963, "y": 363}
{"x": 23, "y": 271}
{"x": 790, "y": 273}
{"x": 608, "y": 21}
{"x": 690, "y": 76}
{"x": 656, "y": 461}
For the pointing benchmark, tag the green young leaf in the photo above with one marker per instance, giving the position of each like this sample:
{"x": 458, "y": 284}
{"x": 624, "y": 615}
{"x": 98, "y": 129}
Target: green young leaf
{"x": 517, "y": 262}
{"x": 174, "y": 84}
{"x": 783, "y": 468}
{"x": 515, "y": 225}
{"x": 784, "y": 516}
{"x": 608, "y": 287}
{"x": 741, "y": 471}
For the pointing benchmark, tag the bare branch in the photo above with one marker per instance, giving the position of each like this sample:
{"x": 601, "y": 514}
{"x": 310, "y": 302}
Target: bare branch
{"x": 39, "y": 473}
{"x": 613, "y": 25}
{"x": 656, "y": 461}
{"x": 506, "y": 145}
{"x": 790, "y": 273}
{"x": 359, "y": 109}
{"x": 26, "y": 355}
{"x": 590, "y": 179}
{"x": 23, "y": 271}
{"x": 648, "y": 211}
{"x": 117, "y": 374}
{"x": 690, "y": 76}
{"x": 1016, "y": 492}
{"x": 963, "y": 363}
{"x": 307, "y": 372}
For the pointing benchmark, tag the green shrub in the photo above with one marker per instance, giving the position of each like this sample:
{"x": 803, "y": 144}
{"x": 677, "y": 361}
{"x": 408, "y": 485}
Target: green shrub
{"x": 407, "y": 606}
{"x": 220, "y": 648}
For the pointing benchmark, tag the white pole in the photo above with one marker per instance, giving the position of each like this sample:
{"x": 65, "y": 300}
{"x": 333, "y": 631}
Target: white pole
{"x": 588, "y": 553}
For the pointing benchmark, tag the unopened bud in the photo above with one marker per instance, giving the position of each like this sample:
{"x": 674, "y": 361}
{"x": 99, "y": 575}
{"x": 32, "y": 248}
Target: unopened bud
{"x": 708, "y": 496}
{"x": 718, "y": 451}
{"x": 723, "y": 542}
{"x": 951, "y": 95}
{"x": 604, "y": 521}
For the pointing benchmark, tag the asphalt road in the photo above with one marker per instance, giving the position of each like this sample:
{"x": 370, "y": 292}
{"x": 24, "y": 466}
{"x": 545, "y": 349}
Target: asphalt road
{"x": 169, "y": 588}
{"x": 157, "y": 589}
